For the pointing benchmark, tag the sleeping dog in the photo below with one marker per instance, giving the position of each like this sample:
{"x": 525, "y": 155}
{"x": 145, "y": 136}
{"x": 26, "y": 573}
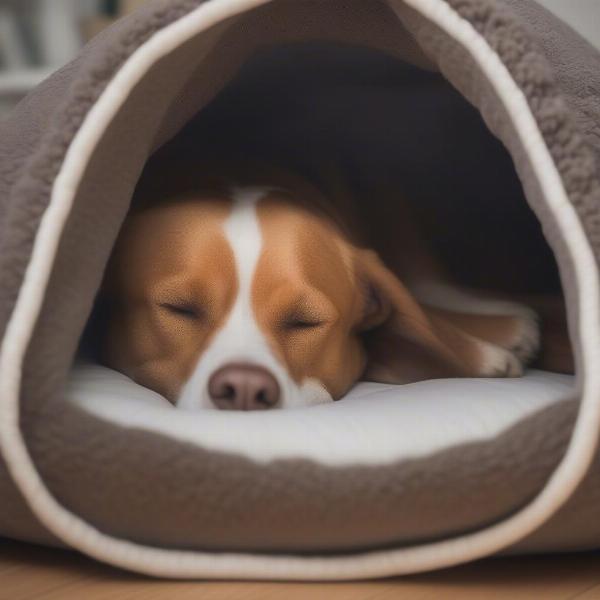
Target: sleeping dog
{"x": 251, "y": 289}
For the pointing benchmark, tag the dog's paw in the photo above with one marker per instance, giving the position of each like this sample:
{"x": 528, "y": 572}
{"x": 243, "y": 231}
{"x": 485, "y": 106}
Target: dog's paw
{"x": 524, "y": 341}
{"x": 499, "y": 362}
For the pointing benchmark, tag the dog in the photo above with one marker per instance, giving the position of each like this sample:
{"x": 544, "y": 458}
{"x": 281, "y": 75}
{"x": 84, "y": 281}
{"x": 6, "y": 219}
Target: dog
{"x": 248, "y": 288}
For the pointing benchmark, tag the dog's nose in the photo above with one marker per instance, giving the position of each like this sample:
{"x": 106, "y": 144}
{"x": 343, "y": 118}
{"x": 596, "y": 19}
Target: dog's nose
{"x": 243, "y": 387}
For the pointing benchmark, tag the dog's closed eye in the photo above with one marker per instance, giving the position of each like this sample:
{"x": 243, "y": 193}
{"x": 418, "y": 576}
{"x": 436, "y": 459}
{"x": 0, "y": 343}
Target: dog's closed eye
{"x": 300, "y": 322}
{"x": 305, "y": 311}
{"x": 186, "y": 310}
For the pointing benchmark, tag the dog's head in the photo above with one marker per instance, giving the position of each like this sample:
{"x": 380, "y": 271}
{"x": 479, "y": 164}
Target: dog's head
{"x": 248, "y": 300}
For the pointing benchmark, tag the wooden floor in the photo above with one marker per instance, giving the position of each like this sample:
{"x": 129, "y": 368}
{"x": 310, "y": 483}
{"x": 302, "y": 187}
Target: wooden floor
{"x": 32, "y": 573}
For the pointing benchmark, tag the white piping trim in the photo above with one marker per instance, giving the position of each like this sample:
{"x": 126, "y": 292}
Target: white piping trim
{"x": 169, "y": 563}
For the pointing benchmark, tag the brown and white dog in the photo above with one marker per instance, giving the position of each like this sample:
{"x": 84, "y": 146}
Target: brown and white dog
{"x": 251, "y": 290}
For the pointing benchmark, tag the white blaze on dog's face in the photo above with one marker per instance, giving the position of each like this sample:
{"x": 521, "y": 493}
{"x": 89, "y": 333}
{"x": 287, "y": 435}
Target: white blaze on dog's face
{"x": 251, "y": 290}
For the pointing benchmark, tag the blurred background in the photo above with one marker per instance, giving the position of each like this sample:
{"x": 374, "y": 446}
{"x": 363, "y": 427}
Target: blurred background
{"x": 38, "y": 36}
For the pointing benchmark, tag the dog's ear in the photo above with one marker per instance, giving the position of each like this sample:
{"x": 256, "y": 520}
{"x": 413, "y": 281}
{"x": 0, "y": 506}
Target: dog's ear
{"x": 404, "y": 340}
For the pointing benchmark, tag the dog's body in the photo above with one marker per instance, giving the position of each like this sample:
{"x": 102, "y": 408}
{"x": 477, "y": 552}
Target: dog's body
{"x": 250, "y": 289}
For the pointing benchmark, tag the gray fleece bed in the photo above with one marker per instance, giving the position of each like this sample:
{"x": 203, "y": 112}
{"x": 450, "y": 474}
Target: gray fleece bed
{"x": 391, "y": 480}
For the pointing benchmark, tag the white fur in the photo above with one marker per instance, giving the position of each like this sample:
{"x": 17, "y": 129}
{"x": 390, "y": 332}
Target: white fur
{"x": 498, "y": 362}
{"x": 241, "y": 339}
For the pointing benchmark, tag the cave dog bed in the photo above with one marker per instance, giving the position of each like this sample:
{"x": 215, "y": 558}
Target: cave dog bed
{"x": 392, "y": 480}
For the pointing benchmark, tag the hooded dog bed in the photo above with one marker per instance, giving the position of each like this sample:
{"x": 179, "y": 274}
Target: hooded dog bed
{"x": 392, "y": 479}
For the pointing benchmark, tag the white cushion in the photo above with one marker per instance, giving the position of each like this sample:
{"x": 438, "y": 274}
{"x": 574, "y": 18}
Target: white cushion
{"x": 373, "y": 424}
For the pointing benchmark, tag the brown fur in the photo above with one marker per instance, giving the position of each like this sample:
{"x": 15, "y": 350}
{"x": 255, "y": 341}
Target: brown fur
{"x": 188, "y": 262}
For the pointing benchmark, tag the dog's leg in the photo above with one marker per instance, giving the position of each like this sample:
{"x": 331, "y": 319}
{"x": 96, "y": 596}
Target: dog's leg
{"x": 407, "y": 350}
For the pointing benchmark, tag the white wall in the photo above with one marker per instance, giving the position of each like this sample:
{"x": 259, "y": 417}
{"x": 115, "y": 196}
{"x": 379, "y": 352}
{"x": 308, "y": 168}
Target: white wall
{"x": 582, "y": 15}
